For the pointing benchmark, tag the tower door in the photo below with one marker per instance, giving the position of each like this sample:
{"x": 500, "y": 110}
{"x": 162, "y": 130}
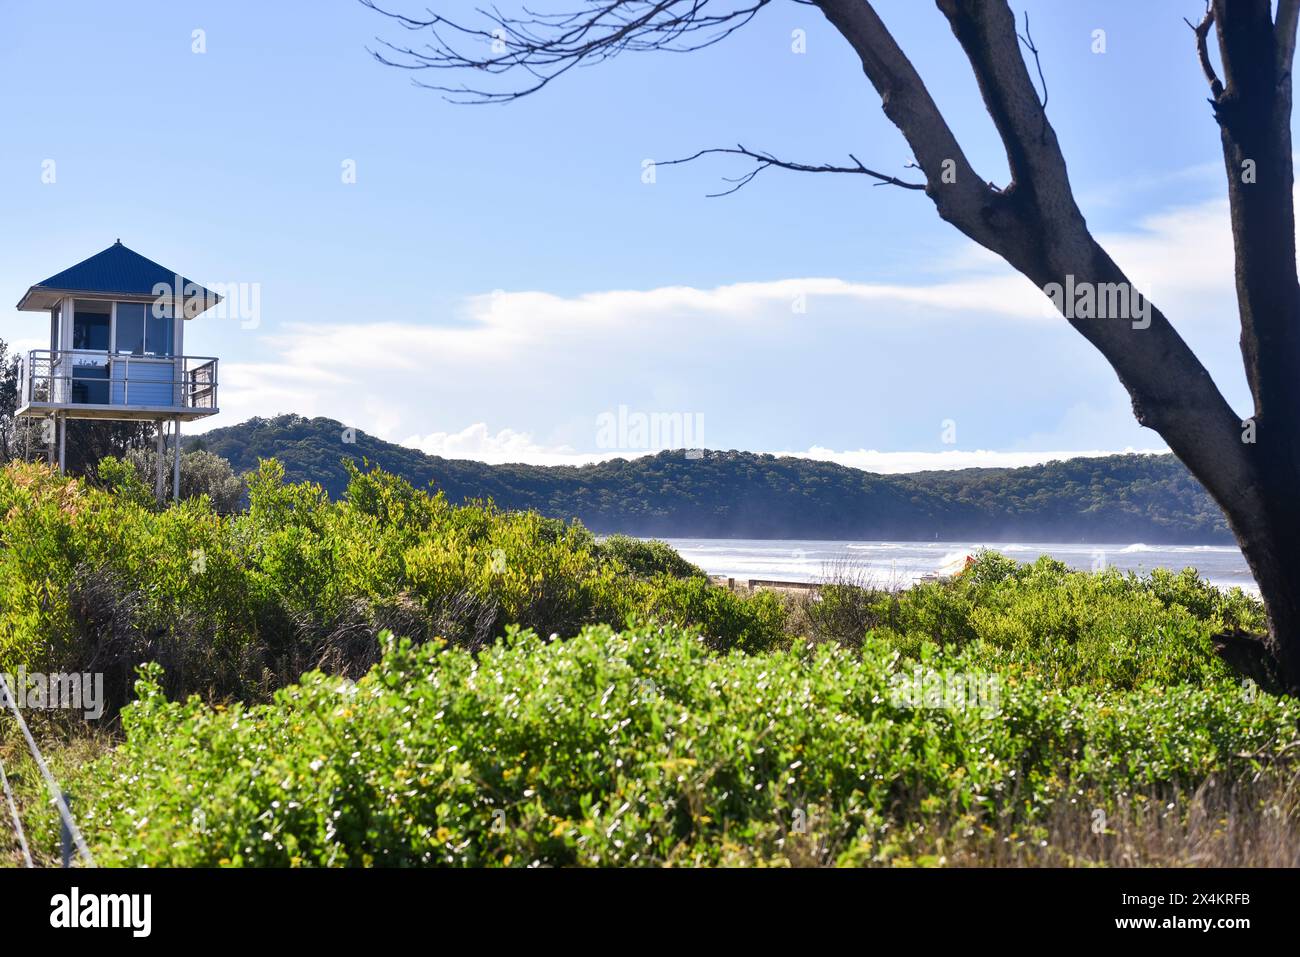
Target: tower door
{"x": 83, "y": 370}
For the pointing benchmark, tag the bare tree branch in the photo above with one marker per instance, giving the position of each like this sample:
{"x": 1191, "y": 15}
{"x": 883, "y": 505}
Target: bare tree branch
{"x": 1202, "y": 32}
{"x": 545, "y": 46}
{"x": 1027, "y": 39}
{"x": 766, "y": 160}
{"x": 959, "y": 194}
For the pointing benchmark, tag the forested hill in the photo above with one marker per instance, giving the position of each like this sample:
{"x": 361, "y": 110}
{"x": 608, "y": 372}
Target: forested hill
{"x": 1120, "y": 498}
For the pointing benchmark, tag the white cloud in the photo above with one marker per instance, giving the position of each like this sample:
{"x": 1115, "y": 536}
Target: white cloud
{"x": 247, "y": 389}
{"x": 1178, "y": 256}
{"x": 479, "y": 443}
{"x": 870, "y": 460}
{"x": 549, "y": 364}
{"x": 505, "y": 324}
{"x": 1181, "y": 253}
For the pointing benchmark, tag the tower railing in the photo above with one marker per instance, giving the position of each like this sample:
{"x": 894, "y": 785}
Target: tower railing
{"x": 55, "y": 379}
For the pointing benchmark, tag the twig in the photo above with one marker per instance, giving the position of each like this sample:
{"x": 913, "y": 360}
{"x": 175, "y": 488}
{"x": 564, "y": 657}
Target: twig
{"x": 765, "y": 160}
{"x": 1028, "y": 40}
{"x": 1203, "y": 50}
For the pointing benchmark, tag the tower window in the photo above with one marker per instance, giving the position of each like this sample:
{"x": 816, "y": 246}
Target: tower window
{"x": 90, "y": 325}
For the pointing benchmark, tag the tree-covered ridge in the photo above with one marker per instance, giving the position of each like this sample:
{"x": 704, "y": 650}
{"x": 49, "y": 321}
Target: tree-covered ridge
{"x": 1149, "y": 498}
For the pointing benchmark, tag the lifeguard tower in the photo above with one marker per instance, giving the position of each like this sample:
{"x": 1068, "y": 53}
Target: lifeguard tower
{"x": 117, "y": 331}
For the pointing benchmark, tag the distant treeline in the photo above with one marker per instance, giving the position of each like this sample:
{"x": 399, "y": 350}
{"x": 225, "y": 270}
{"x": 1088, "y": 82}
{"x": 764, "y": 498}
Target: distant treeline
{"x": 1118, "y": 498}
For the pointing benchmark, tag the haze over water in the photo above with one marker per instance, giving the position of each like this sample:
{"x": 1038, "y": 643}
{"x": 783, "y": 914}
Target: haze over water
{"x": 903, "y": 563}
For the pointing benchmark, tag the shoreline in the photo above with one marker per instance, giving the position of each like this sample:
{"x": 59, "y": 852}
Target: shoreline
{"x": 792, "y": 564}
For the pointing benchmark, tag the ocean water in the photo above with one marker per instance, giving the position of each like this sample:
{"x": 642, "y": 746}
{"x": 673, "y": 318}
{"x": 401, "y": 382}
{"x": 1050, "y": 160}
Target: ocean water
{"x": 899, "y": 564}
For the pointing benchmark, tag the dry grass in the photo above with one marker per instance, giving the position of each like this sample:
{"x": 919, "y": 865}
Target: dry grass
{"x": 64, "y": 744}
{"x": 844, "y": 606}
{"x": 1251, "y": 823}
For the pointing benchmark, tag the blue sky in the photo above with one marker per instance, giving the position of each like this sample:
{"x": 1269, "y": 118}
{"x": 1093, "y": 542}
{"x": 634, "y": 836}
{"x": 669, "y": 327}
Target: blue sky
{"x": 500, "y": 277}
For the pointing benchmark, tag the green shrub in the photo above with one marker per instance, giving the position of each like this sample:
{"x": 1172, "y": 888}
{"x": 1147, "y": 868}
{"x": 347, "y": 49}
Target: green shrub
{"x": 639, "y": 747}
{"x": 1224, "y": 609}
{"x": 646, "y": 559}
{"x": 727, "y": 620}
{"x": 202, "y": 473}
{"x": 1103, "y": 629}
{"x": 234, "y": 606}
{"x": 123, "y": 479}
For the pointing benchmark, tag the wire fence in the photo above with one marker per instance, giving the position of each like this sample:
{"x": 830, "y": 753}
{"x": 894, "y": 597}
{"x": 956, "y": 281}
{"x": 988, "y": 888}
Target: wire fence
{"x": 71, "y": 833}
{"x": 18, "y": 821}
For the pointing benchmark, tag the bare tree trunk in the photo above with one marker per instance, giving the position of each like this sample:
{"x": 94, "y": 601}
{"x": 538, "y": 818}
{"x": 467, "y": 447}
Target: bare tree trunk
{"x": 1252, "y": 105}
{"x": 1270, "y": 540}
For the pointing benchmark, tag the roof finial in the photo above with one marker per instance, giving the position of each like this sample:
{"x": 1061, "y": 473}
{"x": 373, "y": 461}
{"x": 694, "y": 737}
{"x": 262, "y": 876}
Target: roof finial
{"x": 119, "y": 241}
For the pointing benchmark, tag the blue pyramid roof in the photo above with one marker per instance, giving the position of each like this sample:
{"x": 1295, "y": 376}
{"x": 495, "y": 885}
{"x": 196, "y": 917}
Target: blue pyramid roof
{"x": 116, "y": 271}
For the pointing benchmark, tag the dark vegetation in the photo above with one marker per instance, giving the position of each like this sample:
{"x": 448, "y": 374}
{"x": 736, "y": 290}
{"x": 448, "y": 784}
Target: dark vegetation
{"x": 1121, "y": 498}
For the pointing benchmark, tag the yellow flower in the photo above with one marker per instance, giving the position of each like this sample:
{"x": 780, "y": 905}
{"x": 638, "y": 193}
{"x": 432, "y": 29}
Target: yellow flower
{"x": 443, "y": 835}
